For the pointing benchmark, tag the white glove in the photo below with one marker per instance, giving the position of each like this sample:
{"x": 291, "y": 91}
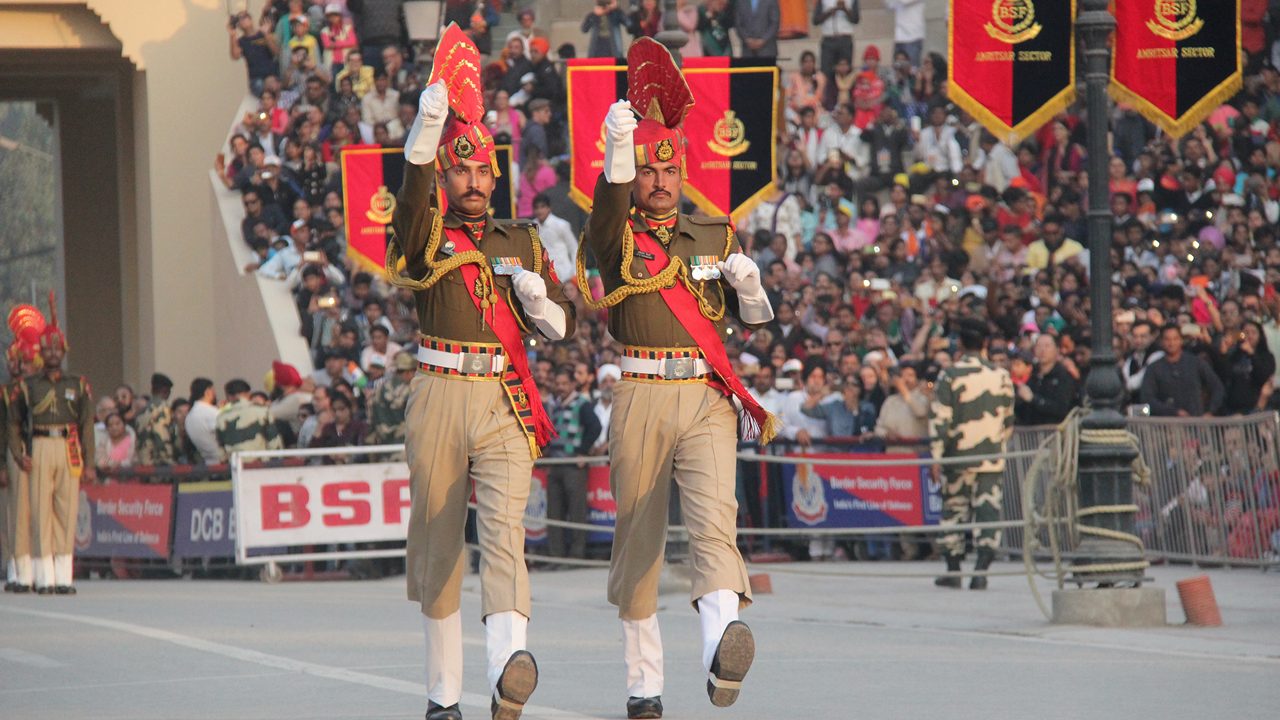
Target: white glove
{"x": 531, "y": 290}
{"x": 619, "y": 152}
{"x": 424, "y": 137}
{"x": 743, "y": 274}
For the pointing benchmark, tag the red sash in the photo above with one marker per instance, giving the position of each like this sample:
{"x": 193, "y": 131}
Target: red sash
{"x": 518, "y": 380}
{"x": 756, "y": 421}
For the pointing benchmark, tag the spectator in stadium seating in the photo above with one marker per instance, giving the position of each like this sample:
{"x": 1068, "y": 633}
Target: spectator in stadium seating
{"x": 603, "y": 27}
{"x": 201, "y": 422}
{"x": 115, "y": 446}
{"x": 607, "y": 376}
{"x": 903, "y": 419}
{"x": 504, "y": 119}
{"x": 836, "y": 19}
{"x": 378, "y": 25}
{"x": 714, "y": 21}
{"x": 546, "y": 79}
{"x": 345, "y": 430}
{"x": 258, "y": 47}
{"x": 380, "y": 348}
{"x": 757, "y": 23}
{"x": 1053, "y": 247}
{"x": 1245, "y": 370}
{"x": 382, "y": 105}
{"x": 357, "y": 73}
{"x": 645, "y": 19}
{"x": 1051, "y": 392}
{"x": 274, "y": 184}
{"x": 908, "y": 28}
{"x": 302, "y": 38}
{"x": 1145, "y": 351}
{"x": 797, "y": 425}
{"x": 337, "y": 36}
{"x": 557, "y": 237}
{"x": 535, "y": 135}
{"x": 847, "y": 416}
{"x": 536, "y": 176}
{"x": 286, "y": 257}
{"x": 293, "y": 393}
{"x": 575, "y": 420}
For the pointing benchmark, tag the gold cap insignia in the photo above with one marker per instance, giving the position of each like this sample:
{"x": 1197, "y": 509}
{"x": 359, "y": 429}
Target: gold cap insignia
{"x": 665, "y": 151}
{"x": 463, "y": 148}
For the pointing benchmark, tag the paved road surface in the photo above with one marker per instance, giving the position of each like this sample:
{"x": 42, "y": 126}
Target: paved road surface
{"x": 829, "y": 647}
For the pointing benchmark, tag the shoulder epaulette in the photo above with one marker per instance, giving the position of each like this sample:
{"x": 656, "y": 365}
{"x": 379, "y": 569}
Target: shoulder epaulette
{"x": 712, "y": 220}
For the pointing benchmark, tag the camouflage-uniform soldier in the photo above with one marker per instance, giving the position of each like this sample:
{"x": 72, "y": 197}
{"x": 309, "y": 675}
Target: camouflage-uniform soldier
{"x": 244, "y": 426}
{"x": 972, "y": 415}
{"x": 156, "y": 443}
{"x": 386, "y": 412}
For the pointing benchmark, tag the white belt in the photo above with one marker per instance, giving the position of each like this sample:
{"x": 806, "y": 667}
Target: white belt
{"x": 470, "y": 363}
{"x": 666, "y": 368}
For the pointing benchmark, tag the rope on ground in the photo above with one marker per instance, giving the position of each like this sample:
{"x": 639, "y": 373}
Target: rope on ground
{"x": 890, "y": 462}
{"x": 1058, "y": 455}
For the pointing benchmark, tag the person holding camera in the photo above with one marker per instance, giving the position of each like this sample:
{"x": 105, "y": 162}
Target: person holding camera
{"x": 257, "y": 47}
{"x": 603, "y": 26}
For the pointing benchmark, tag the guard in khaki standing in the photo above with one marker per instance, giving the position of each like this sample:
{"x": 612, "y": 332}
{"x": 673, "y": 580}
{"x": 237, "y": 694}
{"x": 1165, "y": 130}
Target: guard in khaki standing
{"x": 474, "y": 414}
{"x": 671, "y": 282}
{"x": 15, "y": 483}
{"x": 56, "y": 448}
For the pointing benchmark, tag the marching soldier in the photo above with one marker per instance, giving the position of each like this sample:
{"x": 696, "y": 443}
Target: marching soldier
{"x": 156, "y": 442}
{"x": 15, "y": 483}
{"x": 386, "y": 411}
{"x": 671, "y": 282}
{"x": 244, "y": 425}
{"x": 972, "y": 415}
{"x": 474, "y": 411}
{"x": 56, "y": 448}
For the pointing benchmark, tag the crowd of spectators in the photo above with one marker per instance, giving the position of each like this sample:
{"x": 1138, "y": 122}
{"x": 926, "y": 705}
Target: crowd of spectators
{"x": 895, "y": 213}
{"x": 895, "y": 216}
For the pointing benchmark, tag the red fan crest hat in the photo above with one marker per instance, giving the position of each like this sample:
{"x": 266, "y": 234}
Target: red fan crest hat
{"x": 465, "y": 136}
{"x": 658, "y": 91}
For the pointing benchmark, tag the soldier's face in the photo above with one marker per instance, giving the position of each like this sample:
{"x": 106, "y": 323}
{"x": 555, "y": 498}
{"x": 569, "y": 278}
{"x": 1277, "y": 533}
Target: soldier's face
{"x": 657, "y": 188}
{"x": 469, "y": 186}
{"x": 52, "y": 355}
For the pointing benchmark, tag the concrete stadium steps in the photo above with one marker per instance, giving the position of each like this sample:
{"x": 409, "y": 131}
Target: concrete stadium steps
{"x": 562, "y": 20}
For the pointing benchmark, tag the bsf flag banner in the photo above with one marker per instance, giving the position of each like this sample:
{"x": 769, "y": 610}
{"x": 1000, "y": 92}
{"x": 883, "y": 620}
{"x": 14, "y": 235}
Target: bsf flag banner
{"x": 371, "y": 178}
{"x": 1013, "y": 64}
{"x": 732, "y": 155}
{"x": 1176, "y": 61}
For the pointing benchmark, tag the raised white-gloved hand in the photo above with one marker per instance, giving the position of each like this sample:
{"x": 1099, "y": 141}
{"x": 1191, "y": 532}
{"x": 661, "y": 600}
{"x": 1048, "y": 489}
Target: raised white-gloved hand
{"x": 424, "y": 137}
{"x": 619, "y": 152}
{"x": 531, "y": 289}
{"x": 743, "y": 274}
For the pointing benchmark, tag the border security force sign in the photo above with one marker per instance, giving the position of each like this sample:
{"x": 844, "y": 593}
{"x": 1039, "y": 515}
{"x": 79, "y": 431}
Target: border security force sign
{"x": 1176, "y": 61}
{"x": 1013, "y": 62}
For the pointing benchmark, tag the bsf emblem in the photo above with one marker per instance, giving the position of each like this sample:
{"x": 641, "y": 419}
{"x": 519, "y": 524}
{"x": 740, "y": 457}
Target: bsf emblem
{"x": 729, "y": 136}
{"x": 1175, "y": 19}
{"x": 463, "y": 148}
{"x": 665, "y": 151}
{"x": 1013, "y": 21}
{"x": 476, "y": 364}
{"x": 382, "y": 205}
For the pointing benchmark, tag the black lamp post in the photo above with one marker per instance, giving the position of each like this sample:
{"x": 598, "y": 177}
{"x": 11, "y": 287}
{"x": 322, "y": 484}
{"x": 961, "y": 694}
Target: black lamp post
{"x": 671, "y": 35}
{"x": 1105, "y": 470}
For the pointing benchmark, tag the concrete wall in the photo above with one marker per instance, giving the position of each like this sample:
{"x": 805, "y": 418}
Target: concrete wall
{"x": 183, "y": 89}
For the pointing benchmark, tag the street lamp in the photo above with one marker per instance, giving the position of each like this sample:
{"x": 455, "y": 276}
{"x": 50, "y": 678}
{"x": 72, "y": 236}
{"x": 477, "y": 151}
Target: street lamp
{"x": 1105, "y": 470}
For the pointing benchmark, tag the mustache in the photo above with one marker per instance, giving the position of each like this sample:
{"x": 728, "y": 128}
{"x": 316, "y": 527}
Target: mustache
{"x": 473, "y": 193}
{"x": 656, "y": 193}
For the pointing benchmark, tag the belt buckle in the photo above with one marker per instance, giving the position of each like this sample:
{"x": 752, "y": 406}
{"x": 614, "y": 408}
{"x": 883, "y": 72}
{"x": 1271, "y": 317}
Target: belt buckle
{"x": 476, "y": 363}
{"x": 677, "y": 368}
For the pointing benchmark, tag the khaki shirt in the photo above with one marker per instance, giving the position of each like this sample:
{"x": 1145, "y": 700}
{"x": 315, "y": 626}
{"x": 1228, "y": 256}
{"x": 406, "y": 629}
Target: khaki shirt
{"x": 446, "y": 310}
{"x": 65, "y": 401}
{"x": 645, "y": 320}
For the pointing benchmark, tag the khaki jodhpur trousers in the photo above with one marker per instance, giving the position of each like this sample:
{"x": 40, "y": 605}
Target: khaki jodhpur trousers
{"x": 15, "y": 512}
{"x": 54, "y": 498}
{"x": 458, "y": 429}
{"x": 660, "y": 430}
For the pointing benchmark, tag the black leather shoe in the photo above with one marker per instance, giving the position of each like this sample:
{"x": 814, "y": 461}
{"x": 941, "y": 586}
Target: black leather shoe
{"x": 44, "y": 590}
{"x": 985, "y": 557}
{"x": 952, "y": 582}
{"x": 10, "y": 586}
{"x": 64, "y": 589}
{"x": 20, "y": 589}
{"x": 638, "y": 707}
{"x": 732, "y": 660}
{"x": 436, "y": 712}
{"x": 518, "y": 681}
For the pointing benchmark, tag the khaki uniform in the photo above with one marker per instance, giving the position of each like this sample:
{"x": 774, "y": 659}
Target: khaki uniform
{"x": 662, "y": 428}
{"x": 457, "y": 427}
{"x": 972, "y": 415}
{"x": 244, "y": 426}
{"x": 55, "y": 406}
{"x": 15, "y": 500}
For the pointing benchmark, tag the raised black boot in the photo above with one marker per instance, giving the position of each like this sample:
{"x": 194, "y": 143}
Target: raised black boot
{"x": 985, "y": 556}
{"x": 953, "y": 565}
